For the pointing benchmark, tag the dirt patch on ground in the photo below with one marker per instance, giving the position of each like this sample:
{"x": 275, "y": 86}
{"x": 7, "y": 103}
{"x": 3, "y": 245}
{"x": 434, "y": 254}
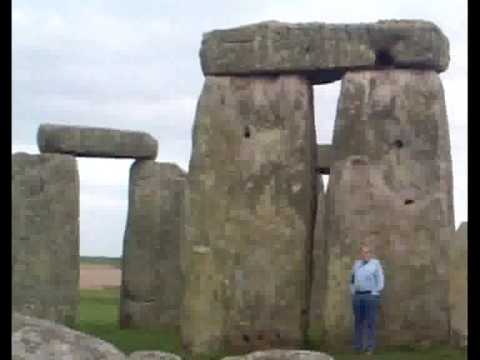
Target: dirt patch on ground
{"x": 93, "y": 276}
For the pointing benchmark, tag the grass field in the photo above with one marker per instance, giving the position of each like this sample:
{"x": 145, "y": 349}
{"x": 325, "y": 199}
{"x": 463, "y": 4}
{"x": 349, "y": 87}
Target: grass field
{"x": 98, "y": 315}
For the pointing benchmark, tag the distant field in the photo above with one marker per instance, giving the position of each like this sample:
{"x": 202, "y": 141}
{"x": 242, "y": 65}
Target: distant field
{"x": 99, "y": 273}
{"x": 98, "y": 315}
{"x": 101, "y": 260}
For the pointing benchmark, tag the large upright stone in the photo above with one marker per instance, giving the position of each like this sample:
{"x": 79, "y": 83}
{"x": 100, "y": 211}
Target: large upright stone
{"x": 45, "y": 235}
{"x": 96, "y": 142}
{"x": 459, "y": 287}
{"x": 391, "y": 186}
{"x": 152, "y": 282}
{"x": 250, "y": 214}
{"x": 323, "y": 52}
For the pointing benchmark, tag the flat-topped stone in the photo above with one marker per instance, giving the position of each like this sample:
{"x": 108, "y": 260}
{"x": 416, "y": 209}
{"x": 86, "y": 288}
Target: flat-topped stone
{"x": 278, "y": 354}
{"x": 34, "y": 338}
{"x": 323, "y": 51}
{"x": 96, "y": 142}
{"x": 153, "y": 355}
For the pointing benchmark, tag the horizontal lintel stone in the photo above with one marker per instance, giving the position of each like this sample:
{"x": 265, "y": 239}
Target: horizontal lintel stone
{"x": 96, "y": 142}
{"x": 323, "y": 52}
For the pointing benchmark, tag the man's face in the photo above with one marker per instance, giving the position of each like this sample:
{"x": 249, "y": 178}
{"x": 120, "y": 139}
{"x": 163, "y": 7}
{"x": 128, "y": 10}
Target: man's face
{"x": 365, "y": 253}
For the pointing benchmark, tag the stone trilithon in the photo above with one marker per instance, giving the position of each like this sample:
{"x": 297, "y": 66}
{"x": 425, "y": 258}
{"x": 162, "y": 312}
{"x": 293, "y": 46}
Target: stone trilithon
{"x": 246, "y": 252}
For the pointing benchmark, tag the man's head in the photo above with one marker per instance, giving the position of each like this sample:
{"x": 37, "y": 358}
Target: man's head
{"x": 365, "y": 252}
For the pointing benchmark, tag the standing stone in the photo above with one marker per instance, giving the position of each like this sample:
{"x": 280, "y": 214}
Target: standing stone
{"x": 318, "y": 267}
{"x": 250, "y": 221}
{"x": 391, "y": 186}
{"x": 96, "y": 142}
{"x": 45, "y": 236}
{"x": 458, "y": 287}
{"x": 152, "y": 282}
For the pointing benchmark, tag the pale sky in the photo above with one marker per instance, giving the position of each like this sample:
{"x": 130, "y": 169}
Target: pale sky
{"x": 135, "y": 66}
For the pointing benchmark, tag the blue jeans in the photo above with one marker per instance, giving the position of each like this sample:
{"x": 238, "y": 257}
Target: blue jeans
{"x": 365, "y": 310}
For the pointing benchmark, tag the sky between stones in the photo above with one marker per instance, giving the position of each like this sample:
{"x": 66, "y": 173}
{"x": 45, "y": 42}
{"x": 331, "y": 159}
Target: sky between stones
{"x": 134, "y": 65}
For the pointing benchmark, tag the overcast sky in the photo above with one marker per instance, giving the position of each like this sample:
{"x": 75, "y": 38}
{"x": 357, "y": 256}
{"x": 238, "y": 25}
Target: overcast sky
{"x": 134, "y": 65}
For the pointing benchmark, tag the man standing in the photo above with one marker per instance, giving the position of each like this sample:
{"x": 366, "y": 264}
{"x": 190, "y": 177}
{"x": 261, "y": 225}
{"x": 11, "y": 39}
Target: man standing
{"x": 366, "y": 283}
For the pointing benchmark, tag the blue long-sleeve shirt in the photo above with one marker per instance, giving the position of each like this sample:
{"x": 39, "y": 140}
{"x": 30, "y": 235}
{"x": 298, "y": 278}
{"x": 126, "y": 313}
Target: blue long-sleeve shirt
{"x": 367, "y": 276}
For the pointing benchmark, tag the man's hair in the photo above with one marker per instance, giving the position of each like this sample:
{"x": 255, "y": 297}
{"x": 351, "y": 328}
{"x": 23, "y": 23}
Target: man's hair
{"x": 364, "y": 245}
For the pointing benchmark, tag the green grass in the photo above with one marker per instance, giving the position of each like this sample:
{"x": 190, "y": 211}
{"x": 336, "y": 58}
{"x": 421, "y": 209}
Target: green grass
{"x": 98, "y": 316}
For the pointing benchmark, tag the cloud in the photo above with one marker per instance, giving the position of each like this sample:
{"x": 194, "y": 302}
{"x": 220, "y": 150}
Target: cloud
{"x": 103, "y": 214}
{"x": 102, "y": 232}
{"x": 135, "y": 66}
{"x": 104, "y": 172}
{"x": 97, "y": 200}
{"x": 26, "y": 148}
{"x": 325, "y": 108}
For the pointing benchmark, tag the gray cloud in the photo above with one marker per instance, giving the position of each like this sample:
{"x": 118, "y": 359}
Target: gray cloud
{"x": 135, "y": 65}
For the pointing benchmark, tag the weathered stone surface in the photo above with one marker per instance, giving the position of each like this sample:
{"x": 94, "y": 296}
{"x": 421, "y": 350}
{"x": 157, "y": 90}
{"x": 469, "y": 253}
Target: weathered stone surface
{"x": 249, "y": 222}
{"x": 458, "y": 287}
{"x": 152, "y": 282}
{"x": 391, "y": 186}
{"x": 45, "y": 235}
{"x": 282, "y": 355}
{"x": 34, "y": 339}
{"x": 322, "y": 51}
{"x": 324, "y": 159}
{"x": 318, "y": 267}
{"x": 153, "y": 355}
{"x": 96, "y": 142}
